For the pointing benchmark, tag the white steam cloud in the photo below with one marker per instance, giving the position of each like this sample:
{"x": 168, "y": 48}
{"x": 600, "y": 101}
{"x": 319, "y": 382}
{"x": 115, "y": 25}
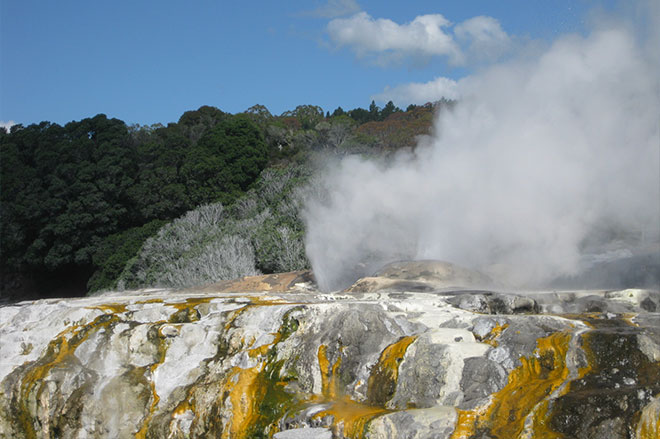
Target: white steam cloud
{"x": 419, "y": 93}
{"x": 542, "y": 161}
{"x": 7, "y": 125}
{"x": 484, "y": 36}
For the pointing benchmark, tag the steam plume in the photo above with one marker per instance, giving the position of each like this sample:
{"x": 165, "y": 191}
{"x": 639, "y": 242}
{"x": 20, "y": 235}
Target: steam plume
{"x": 545, "y": 160}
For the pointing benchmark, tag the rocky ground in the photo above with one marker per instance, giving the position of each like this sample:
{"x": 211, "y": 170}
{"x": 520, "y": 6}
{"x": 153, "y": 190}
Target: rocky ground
{"x": 421, "y": 350}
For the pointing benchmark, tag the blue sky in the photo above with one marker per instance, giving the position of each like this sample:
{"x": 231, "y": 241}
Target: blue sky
{"x": 149, "y": 61}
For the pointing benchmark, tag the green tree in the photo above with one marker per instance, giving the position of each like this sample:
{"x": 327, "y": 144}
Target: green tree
{"x": 194, "y": 124}
{"x": 225, "y": 161}
{"x": 307, "y": 115}
{"x": 260, "y": 115}
{"x": 114, "y": 251}
{"x": 66, "y": 189}
{"x": 160, "y": 190}
{"x": 338, "y": 112}
{"x": 360, "y": 115}
{"x": 388, "y": 110}
{"x": 374, "y": 111}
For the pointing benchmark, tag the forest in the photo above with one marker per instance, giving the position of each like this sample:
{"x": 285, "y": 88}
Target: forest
{"x": 97, "y": 204}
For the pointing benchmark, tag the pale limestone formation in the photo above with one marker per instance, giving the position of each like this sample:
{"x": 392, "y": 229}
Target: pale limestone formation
{"x": 410, "y": 353}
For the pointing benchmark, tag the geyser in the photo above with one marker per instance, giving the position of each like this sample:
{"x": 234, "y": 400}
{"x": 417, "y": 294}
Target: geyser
{"x": 547, "y": 163}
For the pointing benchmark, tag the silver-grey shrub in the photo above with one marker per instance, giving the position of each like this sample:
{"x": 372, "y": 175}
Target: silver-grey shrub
{"x": 227, "y": 258}
{"x": 261, "y": 231}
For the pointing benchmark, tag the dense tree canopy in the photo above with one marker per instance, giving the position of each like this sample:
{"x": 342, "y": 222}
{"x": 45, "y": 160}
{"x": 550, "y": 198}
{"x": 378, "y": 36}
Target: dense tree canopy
{"x": 225, "y": 161}
{"x": 65, "y": 190}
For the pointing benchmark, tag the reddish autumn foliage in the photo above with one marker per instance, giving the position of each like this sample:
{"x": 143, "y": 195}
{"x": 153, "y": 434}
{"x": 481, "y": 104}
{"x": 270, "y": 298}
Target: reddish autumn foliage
{"x": 400, "y": 129}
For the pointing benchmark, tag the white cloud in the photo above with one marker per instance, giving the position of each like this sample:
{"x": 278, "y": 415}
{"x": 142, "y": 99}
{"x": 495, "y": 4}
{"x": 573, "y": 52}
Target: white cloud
{"x": 424, "y": 36}
{"x": 336, "y": 8}
{"x": 483, "y": 37}
{"x": 419, "y": 93}
{"x": 7, "y": 125}
{"x": 473, "y": 40}
{"x": 477, "y": 38}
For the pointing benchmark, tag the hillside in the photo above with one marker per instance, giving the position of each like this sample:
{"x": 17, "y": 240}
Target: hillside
{"x": 79, "y": 201}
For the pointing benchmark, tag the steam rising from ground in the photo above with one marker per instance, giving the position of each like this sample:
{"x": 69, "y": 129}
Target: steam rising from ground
{"x": 544, "y": 161}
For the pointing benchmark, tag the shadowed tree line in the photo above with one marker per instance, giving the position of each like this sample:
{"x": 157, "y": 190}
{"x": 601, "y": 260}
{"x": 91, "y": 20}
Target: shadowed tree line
{"x": 79, "y": 201}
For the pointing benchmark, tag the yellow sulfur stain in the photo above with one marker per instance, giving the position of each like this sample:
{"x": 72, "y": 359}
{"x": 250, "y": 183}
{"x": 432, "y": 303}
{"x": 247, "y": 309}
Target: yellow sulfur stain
{"x": 254, "y": 301}
{"x": 163, "y": 344}
{"x": 629, "y": 318}
{"x": 525, "y": 394}
{"x": 269, "y": 300}
{"x": 180, "y": 410}
{"x": 112, "y": 308}
{"x": 245, "y": 392}
{"x": 350, "y": 418}
{"x": 384, "y": 375}
{"x": 155, "y": 399}
{"x": 393, "y": 355}
{"x": 148, "y": 301}
{"x": 265, "y": 348}
{"x": 257, "y": 301}
{"x": 182, "y": 407}
{"x": 59, "y": 350}
{"x": 190, "y": 303}
{"x": 467, "y": 421}
{"x": 329, "y": 387}
{"x": 648, "y": 426}
{"x": 234, "y": 315}
{"x": 491, "y": 338}
{"x": 247, "y": 388}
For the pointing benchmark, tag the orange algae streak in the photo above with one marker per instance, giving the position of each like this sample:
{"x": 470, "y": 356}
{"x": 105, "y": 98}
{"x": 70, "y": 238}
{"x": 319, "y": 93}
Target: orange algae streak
{"x": 265, "y": 348}
{"x": 190, "y": 302}
{"x": 187, "y": 405}
{"x": 114, "y": 308}
{"x": 393, "y": 355}
{"x": 244, "y": 394}
{"x": 260, "y": 351}
{"x": 384, "y": 376}
{"x": 467, "y": 422}
{"x": 182, "y": 407}
{"x": 491, "y": 338}
{"x": 58, "y": 351}
{"x": 148, "y": 301}
{"x": 254, "y": 301}
{"x": 351, "y": 417}
{"x": 648, "y": 426}
{"x": 629, "y": 318}
{"x": 269, "y": 301}
{"x": 525, "y": 393}
{"x": 529, "y": 385}
{"x": 328, "y": 374}
{"x": 247, "y": 388}
{"x": 155, "y": 399}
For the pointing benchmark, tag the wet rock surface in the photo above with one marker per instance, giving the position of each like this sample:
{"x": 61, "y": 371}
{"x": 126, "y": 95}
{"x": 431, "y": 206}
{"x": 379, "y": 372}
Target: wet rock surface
{"x": 273, "y": 357}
